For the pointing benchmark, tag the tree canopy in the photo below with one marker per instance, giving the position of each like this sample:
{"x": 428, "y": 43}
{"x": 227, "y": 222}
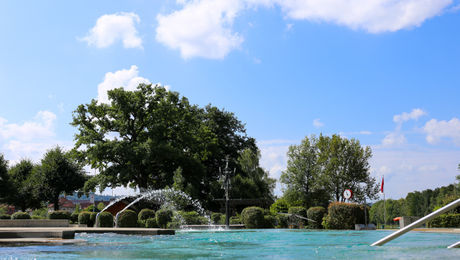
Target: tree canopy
{"x": 4, "y": 179}
{"x": 321, "y": 168}
{"x": 22, "y": 186}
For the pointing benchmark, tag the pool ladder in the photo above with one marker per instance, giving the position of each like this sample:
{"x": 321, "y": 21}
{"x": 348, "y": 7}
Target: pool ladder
{"x": 420, "y": 222}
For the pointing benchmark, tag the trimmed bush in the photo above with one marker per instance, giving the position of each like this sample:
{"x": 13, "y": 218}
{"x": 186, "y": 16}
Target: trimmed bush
{"x": 59, "y": 214}
{"x": 5, "y": 216}
{"x": 446, "y": 221}
{"x": 193, "y": 218}
{"x": 173, "y": 225}
{"x": 127, "y": 218}
{"x": 145, "y": 214}
{"x": 91, "y": 208}
{"x": 92, "y": 219}
{"x": 270, "y": 221}
{"x": 234, "y": 220}
{"x": 84, "y": 218}
{"x": 216, "y": 218}
{"x": 317, "y": 214}
{"x": 151, "y": 223}
{"x": 253, "y": 217}
{"x": 343, "y": 216}
{"x": 74, "y": 217}
{"x": 282, "y": 220}
{"x": 163, "y": 216}
{"x": 20, "y": 215}
{"x": 280, "y": 205}
{"x": 37, "y": 217}
{"x": 105, "y": 219}
{"x": 296, "y": 221}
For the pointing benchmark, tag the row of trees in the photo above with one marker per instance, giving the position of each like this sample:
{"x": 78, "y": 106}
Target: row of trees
{"x": 152, "y": 138}
{"x": 321, "y": 168}
{"x": 28, "y": 186}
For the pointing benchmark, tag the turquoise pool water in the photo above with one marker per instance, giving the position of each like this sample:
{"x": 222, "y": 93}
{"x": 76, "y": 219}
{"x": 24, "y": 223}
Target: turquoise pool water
{"x": 247, "y": 244}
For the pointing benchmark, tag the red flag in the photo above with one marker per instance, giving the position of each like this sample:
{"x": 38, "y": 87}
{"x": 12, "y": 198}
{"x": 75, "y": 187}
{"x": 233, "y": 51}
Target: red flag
{"x": 381, "y": 186}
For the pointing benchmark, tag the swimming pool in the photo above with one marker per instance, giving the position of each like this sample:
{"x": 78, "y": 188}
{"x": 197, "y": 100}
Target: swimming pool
{"x": 246, "y": 244}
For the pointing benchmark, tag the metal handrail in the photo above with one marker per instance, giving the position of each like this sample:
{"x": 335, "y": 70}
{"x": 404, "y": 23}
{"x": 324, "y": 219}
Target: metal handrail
{"x": 418, "y": 223}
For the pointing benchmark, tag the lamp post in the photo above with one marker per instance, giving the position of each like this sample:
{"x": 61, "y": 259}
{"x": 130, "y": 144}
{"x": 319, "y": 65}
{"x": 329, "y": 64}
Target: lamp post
{"x": 225, "y": 178}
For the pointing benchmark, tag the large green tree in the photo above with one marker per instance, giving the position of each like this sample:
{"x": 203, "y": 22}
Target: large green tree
{"x": 59, "y": 173}
{"x": 144, "y": 138}
{"x": 5, "y": 185}
{"x": 22, "y": 186}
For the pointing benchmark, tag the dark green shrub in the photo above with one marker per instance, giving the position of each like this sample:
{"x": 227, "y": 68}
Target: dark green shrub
{"x": 316, "y": 214}
{"x": 163, "y": 216}
{"x": 343, "y": 216}
{"x": 105, "y": 219}
{"x": 151, "y": 223}
{"x": 20, "y": 215}
{"x": 193, "y": 218}
{"x": 253, "y": 217}
{"x": 446, "y": 221}
{"x": 5, "y": 216}
{"x": 84, "y": 218}
{"x": 294, "y": 220}
{"x": 74, "y": 217}
{"x": 92, "y": 219}
{"x": 234, "y": 220}
{"x": 36, "y": 217}
{"x": 145, "y": 214}
{"x": 280, "y": 205}
{"x": 282, "y": 220}
{"x": 59, "y": 214}
{"x": 269, "y": 221}
{"x": 216, "y": 218}
{"x": 127, "y": 218}
{"x": 91, "y": 208}
{"x": 173, "y": 225}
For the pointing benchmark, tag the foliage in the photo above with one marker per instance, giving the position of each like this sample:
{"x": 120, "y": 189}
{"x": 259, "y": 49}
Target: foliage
{"x": 394, "y": 208}
{"x": 5, "y": 185}
{"x": 105, "y": 219}
{"x": 234, "y": 220}
{"x": 153, "y": 138}
{"x": 296, "y": 221}
{"x": 40, "y": 213}
{"x": 316, "y": 214}
{"x": 59, "y": 214}
{"x": 100, "y": 206}
{"x": 92, "y": 219}
{"x": 253, "y": 217}
{"x": 21, "y": 179}
{"x": 20, "y": 215}
{"x": 321, "y": 168}
{"x": 151, "y": 223}
{"x": 127, "y": 218}
{"x": 163, "y": 216}
{"x": 282, "y": 221}
{"x": 145, "y": 214}
{"x": 216, "y": 218}
{"x": 270, "y": 221}
{"x": 91, "y": 208}
{"x": 5, "y": 216}
{"x": 343, "y": 216}
{"x": 84, "y": 218}
{"x": 173, "y": 225}
{"x": 193, "y": 218}
{"x": 280, "y": 205}
{"x": 446, "y": 221}
{"x": 74, "y": 217}
{"x": 59, "y": 173}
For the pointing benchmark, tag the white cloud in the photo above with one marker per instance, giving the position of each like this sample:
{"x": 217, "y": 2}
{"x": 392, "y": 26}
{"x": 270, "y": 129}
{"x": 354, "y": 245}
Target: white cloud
{"x": 41, "y": 127}
{"x": 317, "y": 123}
{"x": 128, "y": 79}
{"x": 110, "y": 28}
{"x": 204, "y": 28}
{"x": 415, "y": 114}
{"x": 394, "y": 139}
{"x": 437, "y": 130}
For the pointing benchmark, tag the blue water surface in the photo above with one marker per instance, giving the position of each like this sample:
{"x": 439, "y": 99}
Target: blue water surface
{"x": 246, "y": 244}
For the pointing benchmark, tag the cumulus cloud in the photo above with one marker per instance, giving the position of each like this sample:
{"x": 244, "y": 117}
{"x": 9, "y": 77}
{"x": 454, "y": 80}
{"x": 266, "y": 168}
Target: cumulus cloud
{"x": 397, "y": 138}
{"x": 415, "y": 114}
{"x": 204, "y": 28}
{"x": 317, "y": 123}
{"x": 394, "y": 139}
{"x": 129, "y": 79}
{"x": 438, "y": 130}
{"x": 110, "y": 28}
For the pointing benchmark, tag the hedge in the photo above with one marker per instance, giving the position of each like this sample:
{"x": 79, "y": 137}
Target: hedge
{"x": 317, "y": 214}
{"x": 282, "y": 221}
{"x": 193, "y": 218}
{"x": 59, "y": 214}
{"x": 20, "y": 215}
{"x": 253, "y": 217}
{"x": 296, "y": 221}
{"x": 216, "y": 218}
{"x": 234, "y": 220}
{"x": 451, "y": 220}
{"x": 84, "y": 218}
{"x": 343, "y": 216}
{"x": 145, "y": 214}
{"x": 280, "y": 205}
{"x": 151, "y": 223}
{"x": 5, "y": 216}
{"x": 92, "y": 219}
{"x": 105, "y": 219}
{"x": 127, "y": 218}
{"x": 163, "y": 216}
{"x": 173, "y": 225}
{"x": 269, "y": 221}
{"x": 74, "y": 217}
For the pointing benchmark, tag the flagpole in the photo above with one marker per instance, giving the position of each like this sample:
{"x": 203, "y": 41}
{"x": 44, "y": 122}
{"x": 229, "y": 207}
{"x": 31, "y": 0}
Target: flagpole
{"x": 384, "y": 202}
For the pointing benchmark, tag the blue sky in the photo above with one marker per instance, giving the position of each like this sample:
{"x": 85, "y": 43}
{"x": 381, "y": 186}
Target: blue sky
{"x": 382, "y": 71}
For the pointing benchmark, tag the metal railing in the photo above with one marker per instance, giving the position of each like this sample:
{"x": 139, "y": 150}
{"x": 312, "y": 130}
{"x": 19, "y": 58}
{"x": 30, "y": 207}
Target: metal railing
{"x": 418, "y": 223}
